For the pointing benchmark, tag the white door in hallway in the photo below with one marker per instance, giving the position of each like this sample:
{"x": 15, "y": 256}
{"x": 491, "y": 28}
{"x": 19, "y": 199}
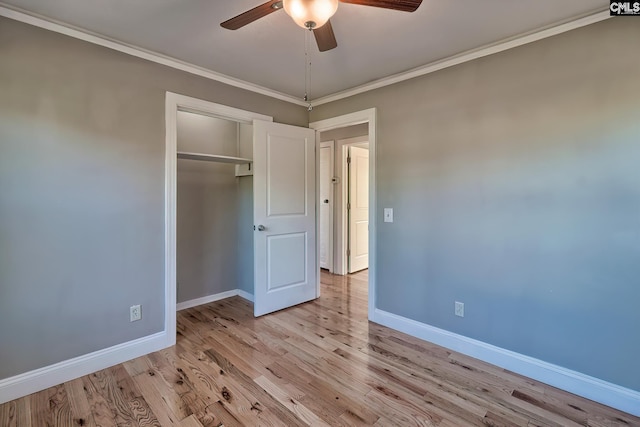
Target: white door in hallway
{"x": 284, "y": 216}
{"x": 358, "y": 209}
{"x": 326, "y": 206}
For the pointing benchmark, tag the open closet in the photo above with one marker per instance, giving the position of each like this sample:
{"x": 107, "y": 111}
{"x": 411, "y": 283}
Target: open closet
{"x": 241, "y": 207}
{"x": 214, "y": 215}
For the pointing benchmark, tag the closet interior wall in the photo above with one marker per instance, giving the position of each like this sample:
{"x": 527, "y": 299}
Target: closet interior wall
{"x": 214, "y": 209}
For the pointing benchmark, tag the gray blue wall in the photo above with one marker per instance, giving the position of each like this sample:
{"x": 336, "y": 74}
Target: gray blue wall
{"x": 244, "y": 254}
{"x": 515, "y": 181}
{"x": 345, "y": 132}
{"x": 82, "y": 192}
{"x": 207, "y": 215}
{"x": 244, "y": 258}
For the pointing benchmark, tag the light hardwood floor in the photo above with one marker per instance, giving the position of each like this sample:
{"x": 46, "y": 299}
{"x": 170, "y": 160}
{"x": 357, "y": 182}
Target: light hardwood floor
{"x": 320, "y": 363}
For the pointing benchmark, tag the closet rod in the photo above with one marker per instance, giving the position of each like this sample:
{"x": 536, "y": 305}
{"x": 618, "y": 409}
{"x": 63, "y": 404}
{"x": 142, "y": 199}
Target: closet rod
{"x": 213, "y": 158}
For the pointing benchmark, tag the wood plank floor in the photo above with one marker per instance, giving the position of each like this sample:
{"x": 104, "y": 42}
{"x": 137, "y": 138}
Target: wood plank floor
{"x": 320, "y": 363}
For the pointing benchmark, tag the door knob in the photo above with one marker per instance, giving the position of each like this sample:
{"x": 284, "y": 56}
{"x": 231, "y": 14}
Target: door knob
{"x": 326, "y": 201}
{"x": 261, "y": 227}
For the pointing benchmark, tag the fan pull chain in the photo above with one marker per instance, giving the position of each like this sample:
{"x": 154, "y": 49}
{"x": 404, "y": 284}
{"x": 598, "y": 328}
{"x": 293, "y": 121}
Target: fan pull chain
{"x": 307, "y": 69}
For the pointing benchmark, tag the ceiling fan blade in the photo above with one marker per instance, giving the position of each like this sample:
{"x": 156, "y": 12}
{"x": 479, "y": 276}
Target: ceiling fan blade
{"x": 402, "y": 5}
{"x": 251, "y": 15}
{"x": 325, "y": 38}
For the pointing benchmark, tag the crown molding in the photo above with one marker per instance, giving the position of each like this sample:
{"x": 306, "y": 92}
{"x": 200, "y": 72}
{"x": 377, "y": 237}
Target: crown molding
{"x": 510, "y": 43}
{"x": 85, "y": 35}
{"x": 467, "y": 56}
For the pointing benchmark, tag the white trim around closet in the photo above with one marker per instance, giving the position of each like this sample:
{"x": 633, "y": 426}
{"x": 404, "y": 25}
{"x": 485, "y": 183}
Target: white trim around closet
{"x": 173, "y": 103}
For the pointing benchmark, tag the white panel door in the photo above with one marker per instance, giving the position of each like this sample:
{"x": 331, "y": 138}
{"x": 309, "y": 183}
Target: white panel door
{"x": 326, "y": 206}
{"x": 284, "y": 197}
{"x": 358, "y": 209}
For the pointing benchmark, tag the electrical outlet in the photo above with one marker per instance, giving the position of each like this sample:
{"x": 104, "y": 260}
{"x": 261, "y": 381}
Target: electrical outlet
{"x": 135, "y": 313}
{"x": 459, "y": 310}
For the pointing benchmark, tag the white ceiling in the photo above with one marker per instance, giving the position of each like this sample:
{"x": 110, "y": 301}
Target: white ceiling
{"x": 372, "y": 43}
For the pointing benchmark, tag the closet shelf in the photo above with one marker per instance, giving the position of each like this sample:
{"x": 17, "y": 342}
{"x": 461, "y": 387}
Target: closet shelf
{"x": 213, "y": 158}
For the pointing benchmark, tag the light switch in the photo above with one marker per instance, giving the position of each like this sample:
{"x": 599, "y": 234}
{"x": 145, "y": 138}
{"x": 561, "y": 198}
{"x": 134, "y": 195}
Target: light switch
{"x": 388, "y": 214}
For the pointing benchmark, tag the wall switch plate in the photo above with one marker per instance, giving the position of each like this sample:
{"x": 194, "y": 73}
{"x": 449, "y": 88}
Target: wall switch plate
{"x": 135, "y": 313}
{"x": 459, "y": 309}
{"x": 388, "y": 214}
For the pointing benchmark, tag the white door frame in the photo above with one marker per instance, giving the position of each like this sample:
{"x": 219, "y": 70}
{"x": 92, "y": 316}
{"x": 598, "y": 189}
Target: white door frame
{"x": 330, "y": 255}
{"x": 174, "y": 103}
{"x": 358, "y": 117}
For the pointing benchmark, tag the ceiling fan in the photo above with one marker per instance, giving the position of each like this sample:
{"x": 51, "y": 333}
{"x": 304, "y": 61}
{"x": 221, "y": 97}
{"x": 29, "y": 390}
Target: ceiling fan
{"x": 314, "y": 15}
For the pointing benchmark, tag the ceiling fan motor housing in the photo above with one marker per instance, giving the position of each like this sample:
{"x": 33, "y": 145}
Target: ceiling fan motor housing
{"x": 310, "y": 14}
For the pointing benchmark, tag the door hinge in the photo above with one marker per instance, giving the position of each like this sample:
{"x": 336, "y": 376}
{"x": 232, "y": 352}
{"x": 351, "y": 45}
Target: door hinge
{"x": 349, "y": 206}
{"x": 348, "y": 252}
{"x": 349, "y": 159}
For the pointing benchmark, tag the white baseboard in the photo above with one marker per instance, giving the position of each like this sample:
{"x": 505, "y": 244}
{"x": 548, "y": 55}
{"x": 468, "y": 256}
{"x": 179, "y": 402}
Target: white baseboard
{"x": 215, "y": 297}
{"x": 246, "y": 295}
{"x": 206, "y": 300}
{"x": 49, "y": 376}
{"x": 609, "y": 394}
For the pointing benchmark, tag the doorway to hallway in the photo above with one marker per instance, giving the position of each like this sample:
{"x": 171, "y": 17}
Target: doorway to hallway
{"x": 349, "y": 130}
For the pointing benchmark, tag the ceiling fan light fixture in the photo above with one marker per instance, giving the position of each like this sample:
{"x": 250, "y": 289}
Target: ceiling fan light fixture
{"x": 310, "y": 14}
